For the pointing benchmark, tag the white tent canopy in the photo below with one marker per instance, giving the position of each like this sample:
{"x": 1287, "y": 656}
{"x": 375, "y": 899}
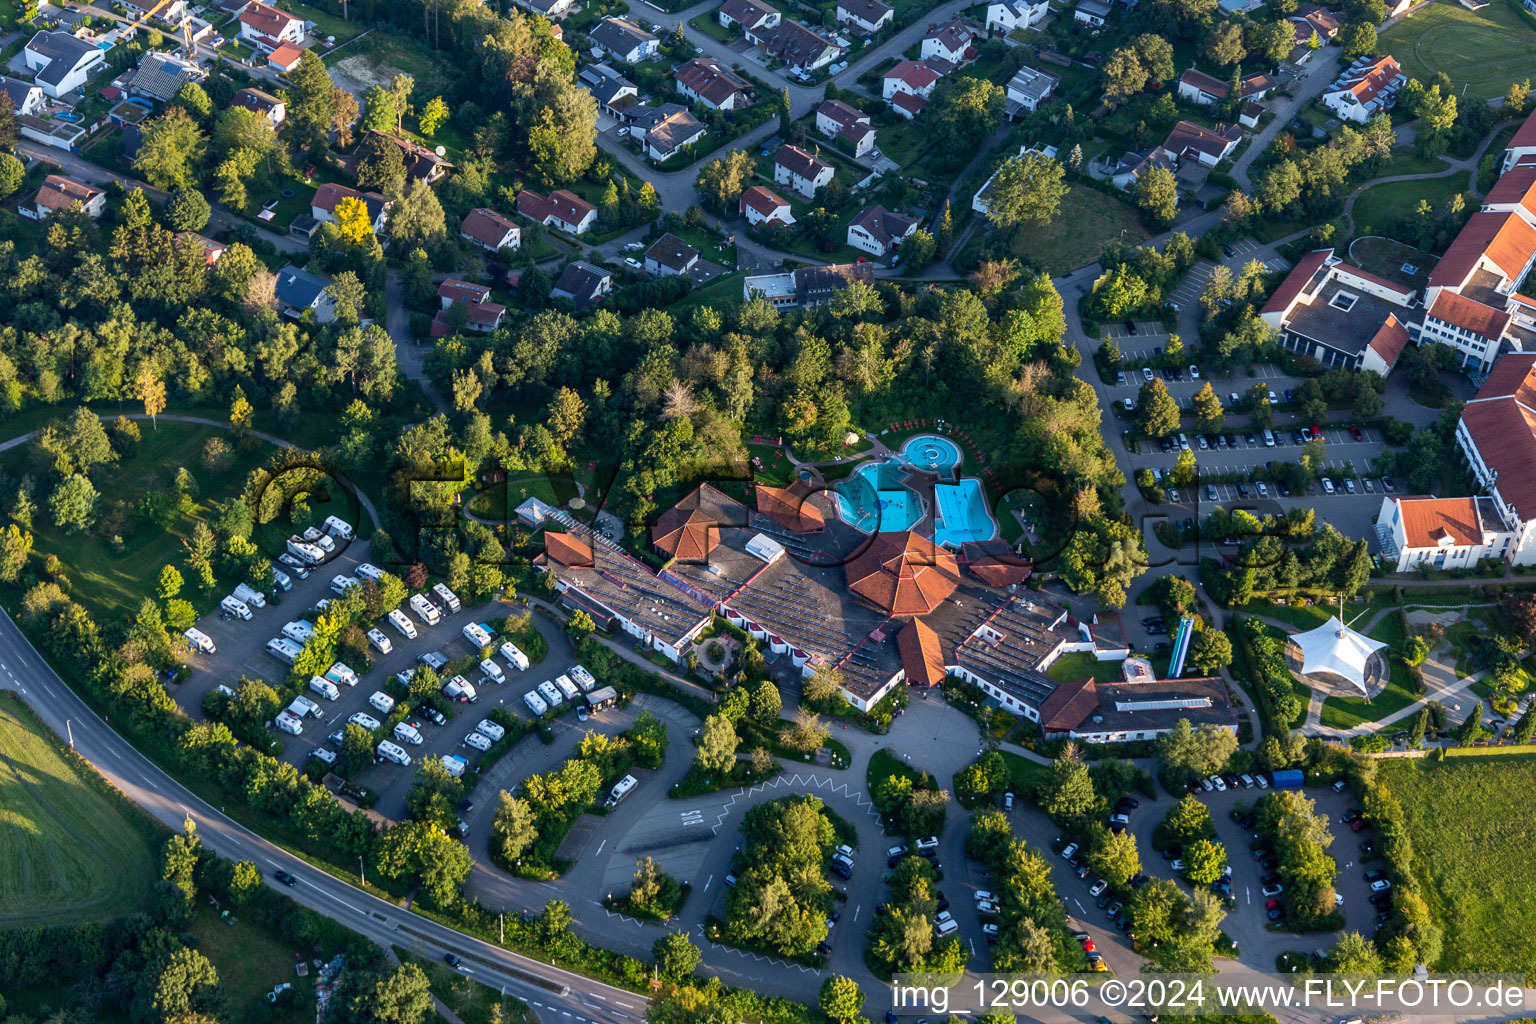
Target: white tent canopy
{"x": 1334, "y": 647}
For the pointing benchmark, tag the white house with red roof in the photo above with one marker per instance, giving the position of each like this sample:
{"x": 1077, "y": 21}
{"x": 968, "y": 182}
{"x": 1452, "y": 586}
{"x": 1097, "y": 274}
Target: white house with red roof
{"x": 1442, "y": 533}
{"x": 761, "y": 205}
{"x": 865, "y": 15}
{"x": 878, "y": 231}
{"x": 266, "y": 28}
{"x": 562, "y": 210}
{"x": 1521, "y": 148}
{"x": 847, "y": 126}
{"x": 1340, "y": 315}
{"x": 489, "y": 230}
{"x": 950, "y": 41}
{"x": 1365, "y": 88}
{"x": 913, "y": 79}
{"x": 794, "y": 167}
{"x": 1497, "y": 434}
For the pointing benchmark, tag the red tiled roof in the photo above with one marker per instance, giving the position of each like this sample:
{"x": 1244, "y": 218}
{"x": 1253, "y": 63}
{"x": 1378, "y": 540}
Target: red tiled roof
{"x": 1526, "y": 134}
{"x": 567, "y": 206}
{"x": 903, "y": 573}
{"x": 763, "y": 200}
{"x": 685, "y": 534}
{"x": 1514, "y": 376}
{"x": 486, "y": 226}
{"x": 994, "y": 563}
{"x": 330, "y": 193}
{"x": 791, "y": 508}
{"x": 798, "y": 161}
{"x": 462, "y": 291}
{"x": 1371, "y": 81}
{"x": 1068, "y": 705}
{"x": 266, "y": 19}
{"x": 908, "y": 102}
{"x": 285, "y": 56}
{"x": 1470, "y": 314}
{"x": 1516, "y": 186}
{"x": 1506, "y": 239}
{"x": 60, "y": 193}
{"x": 1296, "y": 280}
{"x": 1390, "y": 341}
{"x": 1502, "y": 423}
{"x": 922, "y": 656}
{"x": 1428, "y": 521}
{"x": 915, "y": 73}
{"x": 708, "y": 78}
{"x": 568, "y": 549}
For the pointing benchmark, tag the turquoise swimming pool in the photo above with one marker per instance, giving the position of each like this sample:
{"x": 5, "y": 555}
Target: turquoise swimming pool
{"x": 873, "y": 498}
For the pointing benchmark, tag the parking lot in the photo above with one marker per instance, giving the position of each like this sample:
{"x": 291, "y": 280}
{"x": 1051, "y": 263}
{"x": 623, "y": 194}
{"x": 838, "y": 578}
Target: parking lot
{"x": 242, "y": 653}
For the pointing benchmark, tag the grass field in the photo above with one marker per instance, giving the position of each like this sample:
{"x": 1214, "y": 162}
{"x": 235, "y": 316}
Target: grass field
{"x": 112, "y": 584}
{"x": 1472, "y": 855}
{"x": 1483, "y": 51}
{"x": 1089, "y": 220}
{"x": 67, "y": 852}
{"x": 251, "y": 962}
{"x": 1347, "y": 712}
{"x": 1379, "y": 209}
{"x": 1080, "y": 665}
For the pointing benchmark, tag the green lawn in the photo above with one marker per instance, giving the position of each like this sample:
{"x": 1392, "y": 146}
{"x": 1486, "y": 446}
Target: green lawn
{"x": 1303, "y": 618}
{"x": 469, "y": 1000}
{"x": 326, "y": 24}
{"x": 1347, "y": 712}
{"x": 1088, "y": 221}
{"x": 1379, "y": 209}
{"x": 67, "y": 851}
{"x": 1025, "y": 776}
{"x": 1069, "y": 668}
{"x": 1483, "y": 50}
{"x": 251, "y": 963}
{"x": 500, "y": 501}
{"x": 1472, "y": 854}
{"x": 112, "y": 583}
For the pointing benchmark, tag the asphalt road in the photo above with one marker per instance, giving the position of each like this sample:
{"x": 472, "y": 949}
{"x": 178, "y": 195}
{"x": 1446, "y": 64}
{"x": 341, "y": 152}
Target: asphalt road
{"x": 572, "y": 998}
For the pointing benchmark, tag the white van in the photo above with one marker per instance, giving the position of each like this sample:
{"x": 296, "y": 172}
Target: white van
{"x": 405, "y": 732}
{"x": 365, "y": 720}
{"x": 382, "y": 702}
{"x": 402, "y": 624}
{"x": 476, "y": 635}
{"x": 1269, "y": 439}
{"x": 369, "y": 571}
{"x": 323, "y": 756}
{"x": 948, "y": 927}
{"x": 200, "y": 641}
{"x": 567, "y": 688}
{"x": 281, "y": 579}
{"x": 319, "y": 538}
{"x": 339, "y": 673}
{"x": 621, "y": 790}
{"x": 446, "y": 597}
{"x": 493, "y": 671}
{"x": 486, "y": 727}
{"x": 584, "y": 679}
{"x": 303, "y": 706}
{"x": 425, "y": 610}
{"x": 535, "y": 702}
{"x": 284, "y": 650}
{"x": 339, "y": 527}
{"x": 299, "y": 632}
{"x": 454, "y": 765}
{"x": 379, "y": 641}
{"x": 305, "y": 551}
{"x": 550, "y": 694}
{"x": 236, "y": 607}
{"x": 459, "y": 688}
{"x": 289, "y": 722}
{"x": 324, "y": 687}
{"x": 478, "y": 740}
{"x": 516, "y": 658}
{"x": 394, "y": 752}
{"x": 340, "y": 583}
{"x": 254, "y": 598}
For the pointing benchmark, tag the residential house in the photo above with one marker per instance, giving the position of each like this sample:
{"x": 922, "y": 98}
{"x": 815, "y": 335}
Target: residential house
{"x": 866, "y": 16}
{"x": 166, "y": 12}
{"x": 624, "y": 40}
{"x": 159, "y": 75}
{"x": 26, "y": 97}
{"x": 489, "y": 230}
{"x": 1092, "y": 12}
{"x": 329, "y": 195}
{"x": 849, "y": 129}
{"x": 950, "y": 41}
{"x": 1497, "y": 435}
{"x": 1441, "y": 533}
{"x": 907, "y": 86}
{"x": 211, "y": 250}
{"x": 1340, "y": 315}
{"x": 1315, "y": 24}
{"x": 420, "y": 162}
{"x": 480, "y": 314}
{"x": 1130, "y": 168}
{"x": 285, "y": 58}
{"x": 799, "y": 170}
{"x": 1364, "y": 89}
{"x": 707, "y": 81}
{"x": 760, "y": 205}
{"x": 582, "y": 283}
{"x": 798, "y": 47}
{"x": 62, "y": 62}
{"x": 561, "y": 210}
{"x": 613, "y": 92}
{"x": 263, "y": 103}
{"x": 804, "y": 287}
{"x": 1250, "y": 115}
{"x": 979, "y": 200}
{"x": 60, "y": 193}
{"x": 297, "y": 291}
{"x": 1206, "y": 90}
{"x": 1006, "y": 16}
{"x": 551, "y": 9}
{"x": 1522, "y": 147}
{"x": 664, "y": 131}
{"x": 670, "y": 256}
{"x": 754, "y": 17}
{"x": 266, "y": 28}
{"x": 1089, "y": 711}
{"x": 1190, "y": 141}
{"x": 1027, "y": 89}
{"x": 878, "y": 231}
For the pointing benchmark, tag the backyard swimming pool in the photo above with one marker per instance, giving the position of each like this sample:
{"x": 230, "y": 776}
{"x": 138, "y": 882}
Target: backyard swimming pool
{"x": 873, "y": 498}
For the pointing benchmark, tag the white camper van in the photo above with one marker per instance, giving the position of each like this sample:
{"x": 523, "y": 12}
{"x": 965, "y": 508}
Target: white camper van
{"x": 516, "y": 658}
{"x": 379, "y": 641}
{"x": 584, "y": 679}
{"x": 340, "y": 584}
{"x": 324, "y": 687}
{"x": 338, "y": 527}
{"x": 405, "y": 732}
{"x": 299, "y": 632}
{"x": 369, "y": 571}
{"x": 621, "y": 789}
{"x": 478, "y": 740}
{"x": 445, "y": 597}
{"x": 454, "y": 765}
{"x": 289, "y": 722}
{"x": 283, "y": 649}
{"x": 550, "y": 694}
{"x": 390, "y": 751}
{"x": 459, "y": 688}
{"x": 320, "y": 539}
{"x": 567, "y": 688}
{"x": 304, "y": 707}
{"x": 382, "y": 702}
{"x": 200, "y": 641}
{"x": 535, "y": 702}
{"x": 477, "y": 635}
{"x": 425, "y": 610}
{"x": 366, "y": 721}
{"x": 280, "y": 579}
{"x": 402, "y": 623}
{"x": 339, "y": 673}
{"x": 493, "y": 671}
{"x": 308, "y": 553}
{"x": 254, "y": 598}
{"x": 236, "y": 607}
